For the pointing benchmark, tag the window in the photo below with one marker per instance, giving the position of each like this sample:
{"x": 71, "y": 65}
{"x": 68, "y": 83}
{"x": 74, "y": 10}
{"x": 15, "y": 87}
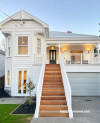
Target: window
{"x": 8, "y": 77}
{"x": 38, "y": 46}
{"x": 20, "y": 79}
{"x": 9, "y": 47}
{"x": 22, "y": 83}
{"x": 23, "y": 45}
{"x": 25, "y": 81}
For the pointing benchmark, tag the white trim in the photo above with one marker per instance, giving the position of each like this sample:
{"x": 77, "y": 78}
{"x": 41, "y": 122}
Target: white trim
{"x": 22, "y": 70}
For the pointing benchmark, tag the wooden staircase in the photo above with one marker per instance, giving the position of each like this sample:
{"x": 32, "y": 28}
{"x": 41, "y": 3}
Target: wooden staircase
{"x": 53, "y": 101}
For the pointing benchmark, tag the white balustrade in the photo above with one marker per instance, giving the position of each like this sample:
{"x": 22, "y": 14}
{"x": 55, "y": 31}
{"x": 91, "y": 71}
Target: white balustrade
{"x": 81, "y": 58}
{"x": 39, "y": 88}
{"x": 67, "y": 87}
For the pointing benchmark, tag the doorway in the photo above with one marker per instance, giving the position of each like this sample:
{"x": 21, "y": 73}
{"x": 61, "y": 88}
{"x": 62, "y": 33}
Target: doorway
{"x": 52, "y": 56}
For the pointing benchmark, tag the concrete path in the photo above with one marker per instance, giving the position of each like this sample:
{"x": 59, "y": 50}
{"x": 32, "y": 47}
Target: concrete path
{"x": 86, "y": 110}
{"x": 12, "y": 100}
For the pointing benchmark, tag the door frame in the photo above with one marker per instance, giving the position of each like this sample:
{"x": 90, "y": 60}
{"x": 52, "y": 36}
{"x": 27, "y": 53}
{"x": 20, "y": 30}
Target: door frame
{"x": 22, "y": 81}
{"x": 55, "y": 56}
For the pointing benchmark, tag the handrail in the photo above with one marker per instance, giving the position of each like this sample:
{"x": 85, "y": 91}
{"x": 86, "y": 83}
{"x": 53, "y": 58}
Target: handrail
{"x": 81, "y": 58}
{"x": 67, "y": 87}
{"x": 39, "y": 89}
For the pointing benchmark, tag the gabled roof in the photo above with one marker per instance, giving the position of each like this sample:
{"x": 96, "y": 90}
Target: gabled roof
{"x": 57, "y": 34}
{"x": 23, "y": 15}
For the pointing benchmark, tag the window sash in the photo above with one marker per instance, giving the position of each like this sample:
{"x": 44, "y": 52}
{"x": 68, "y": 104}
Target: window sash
{"x": 22, "y": 44}
{"x": 9, "y": 47}
{"x": 38, "y": 46}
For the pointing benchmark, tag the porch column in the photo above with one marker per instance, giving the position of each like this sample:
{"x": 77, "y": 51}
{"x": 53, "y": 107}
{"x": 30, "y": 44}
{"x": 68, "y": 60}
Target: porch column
{"x": 98, "y": 52}
{"x": 59, "y": 48}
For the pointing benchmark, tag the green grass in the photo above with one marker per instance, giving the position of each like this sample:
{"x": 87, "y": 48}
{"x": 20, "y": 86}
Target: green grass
{"x": 6, "y": 117}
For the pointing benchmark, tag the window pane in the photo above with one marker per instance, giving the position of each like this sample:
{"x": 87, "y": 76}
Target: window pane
{"x": 8, "y": 77}
{"x": 38, "y": 50}
{"x": 25, "y": 81}
{"x": 25, "y": 50}
{"x": 19, "y": 40}
{"x": 20, "y": 79}
{"x": 25, "y": 40}
{"x": 20, "y": 49}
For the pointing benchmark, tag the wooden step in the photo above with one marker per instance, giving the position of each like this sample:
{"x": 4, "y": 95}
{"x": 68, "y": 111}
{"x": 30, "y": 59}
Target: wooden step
{"x": 53, "y": 89}
{"x": 53, "y": 93}
{"x": 52, "y": 79}
{"x": 52, "y": 83}
{"x": 52, "y": 69}
{"x": 53, "y": 75}
{"x": 53, "y": 102}
{"x": 52, "y": 114}
{"x": 53, "y": 107}
{"x": 53, "y": 98}
{"x": 52, "y": 64}
{"x": 53, "y": 86}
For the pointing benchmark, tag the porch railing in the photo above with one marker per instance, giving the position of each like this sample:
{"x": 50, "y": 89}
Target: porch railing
{"x": 67, "y": 87}
{"x": 39, "y": 88}
{"x": 81, "y": 58}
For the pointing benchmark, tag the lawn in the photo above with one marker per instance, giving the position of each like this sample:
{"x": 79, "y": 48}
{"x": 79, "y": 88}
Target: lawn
{"x": 6, "y": 117}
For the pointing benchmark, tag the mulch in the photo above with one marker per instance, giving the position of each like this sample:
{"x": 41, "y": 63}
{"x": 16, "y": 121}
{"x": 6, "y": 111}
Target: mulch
{"x": 25, "y": 108}
{"x": 3, "y": 93}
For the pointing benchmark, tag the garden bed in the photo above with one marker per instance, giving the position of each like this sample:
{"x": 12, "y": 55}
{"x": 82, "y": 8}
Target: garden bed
{"x": 25, "y": 108}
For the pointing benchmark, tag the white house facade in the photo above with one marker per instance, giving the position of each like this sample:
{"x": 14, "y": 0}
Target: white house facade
{"x": 31, "y": 49}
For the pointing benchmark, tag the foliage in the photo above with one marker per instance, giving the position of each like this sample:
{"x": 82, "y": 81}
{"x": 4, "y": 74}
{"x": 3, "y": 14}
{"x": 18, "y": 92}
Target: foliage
{"x": 30, "y": 88}
{"x": 6, "y": 117}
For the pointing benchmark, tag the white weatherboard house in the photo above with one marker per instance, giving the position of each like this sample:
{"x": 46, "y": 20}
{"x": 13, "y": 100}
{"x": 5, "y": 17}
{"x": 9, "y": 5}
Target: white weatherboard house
{"x": 61, "y": 64}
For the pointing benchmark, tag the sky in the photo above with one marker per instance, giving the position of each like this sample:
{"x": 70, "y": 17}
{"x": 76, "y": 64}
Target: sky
{"x": 79, "y": 16}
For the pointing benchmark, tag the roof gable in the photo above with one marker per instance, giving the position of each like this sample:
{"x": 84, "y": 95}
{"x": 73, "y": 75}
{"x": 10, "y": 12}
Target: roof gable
{"x": 22, "y": 15}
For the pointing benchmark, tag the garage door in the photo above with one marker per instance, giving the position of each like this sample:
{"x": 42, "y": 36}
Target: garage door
{"x": 85, "y": 84}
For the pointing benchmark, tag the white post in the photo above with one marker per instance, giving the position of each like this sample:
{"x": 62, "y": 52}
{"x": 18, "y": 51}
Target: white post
{"x": 81, "y": 58}
{"x": 98, "y": 53}
{"x": 70, "y": 57}
{"x": 59, "y": 50}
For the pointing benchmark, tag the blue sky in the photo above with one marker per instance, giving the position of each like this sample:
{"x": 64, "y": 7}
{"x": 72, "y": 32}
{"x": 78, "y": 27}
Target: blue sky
{"x": 79, "y": 16}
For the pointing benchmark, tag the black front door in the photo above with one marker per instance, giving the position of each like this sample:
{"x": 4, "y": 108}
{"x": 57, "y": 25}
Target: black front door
{"x": 52, "y": 56}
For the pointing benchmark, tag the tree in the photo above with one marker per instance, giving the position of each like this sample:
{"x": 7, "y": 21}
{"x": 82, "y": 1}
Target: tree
{"x": 30, "y": 88}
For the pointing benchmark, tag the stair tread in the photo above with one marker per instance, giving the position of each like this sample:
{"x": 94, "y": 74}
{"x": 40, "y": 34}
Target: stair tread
{"x": 54, "y": 106}
{"x": 54, "y": 111}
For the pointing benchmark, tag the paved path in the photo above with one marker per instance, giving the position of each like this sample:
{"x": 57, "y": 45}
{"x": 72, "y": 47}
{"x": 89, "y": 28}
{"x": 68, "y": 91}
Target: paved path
{"x": 89, "y": 104}
{"x": 12, "y": 100}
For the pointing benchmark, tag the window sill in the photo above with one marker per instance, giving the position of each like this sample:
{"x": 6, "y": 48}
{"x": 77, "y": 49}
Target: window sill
{"x": 8, "y": 57}
{"x": 22, "y": 56}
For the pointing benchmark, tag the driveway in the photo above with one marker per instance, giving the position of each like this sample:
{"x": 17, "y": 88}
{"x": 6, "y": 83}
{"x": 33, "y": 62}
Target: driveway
{"x": 86, "y": 110}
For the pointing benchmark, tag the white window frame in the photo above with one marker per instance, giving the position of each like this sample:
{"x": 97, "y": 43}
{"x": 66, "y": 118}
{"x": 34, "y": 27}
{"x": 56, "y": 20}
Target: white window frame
{"x": 8, "y": 78}
{"x": 39, "y": 46}
{"x": 22, "y": 80}
{"x": 9, "y": 47}
{"x": 23, "y": 45}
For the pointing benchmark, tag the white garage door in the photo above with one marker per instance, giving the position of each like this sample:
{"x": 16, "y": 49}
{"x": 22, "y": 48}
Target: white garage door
{"x": 85, "y": 84}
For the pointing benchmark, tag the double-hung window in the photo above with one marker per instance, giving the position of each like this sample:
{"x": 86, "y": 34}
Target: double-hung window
{"x": 38, "y": 46}
{"x": 9, "y": 47}
{"x": 23, "y": 45}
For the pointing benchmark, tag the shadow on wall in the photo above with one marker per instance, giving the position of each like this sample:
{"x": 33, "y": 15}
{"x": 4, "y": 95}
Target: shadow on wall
{"x": 2, "y": 82}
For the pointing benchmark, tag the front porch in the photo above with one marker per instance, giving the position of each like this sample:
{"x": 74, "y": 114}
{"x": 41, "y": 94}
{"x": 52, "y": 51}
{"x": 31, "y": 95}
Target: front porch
{"x": 78, "y": 53}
